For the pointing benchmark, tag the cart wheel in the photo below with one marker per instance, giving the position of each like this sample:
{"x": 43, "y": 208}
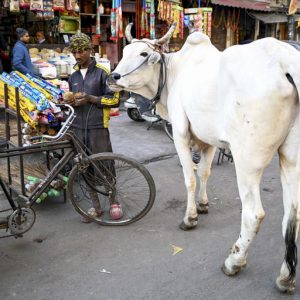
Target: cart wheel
{"x": 21, "y": 220}
{"x": 111, "y": 182}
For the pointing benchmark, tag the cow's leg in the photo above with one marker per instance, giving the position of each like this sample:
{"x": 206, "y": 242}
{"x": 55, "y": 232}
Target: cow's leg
{"x": 203, "y": 171}
{"x": 286, "y": 281}
{"x": 182, "y": 144}
{"x": 252, "y": 215}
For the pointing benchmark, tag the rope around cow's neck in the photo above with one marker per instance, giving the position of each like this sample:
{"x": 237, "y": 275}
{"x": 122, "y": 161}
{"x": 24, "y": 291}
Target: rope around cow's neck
{"x": 161, "y": 81}
{"x": 162, "y": 78}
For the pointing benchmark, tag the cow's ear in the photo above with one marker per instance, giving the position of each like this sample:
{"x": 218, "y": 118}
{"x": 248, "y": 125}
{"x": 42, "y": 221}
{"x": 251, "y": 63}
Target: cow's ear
{"x": 154, "y": 58}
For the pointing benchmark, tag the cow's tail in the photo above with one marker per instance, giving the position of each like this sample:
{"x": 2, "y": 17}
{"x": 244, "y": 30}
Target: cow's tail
{"x": 290, "y": 244}
{"x": 293, "y": 75}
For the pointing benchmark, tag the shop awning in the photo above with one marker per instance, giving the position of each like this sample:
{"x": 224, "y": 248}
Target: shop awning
{"x": 273, "y": 18}
{"x": 253, "y": 5}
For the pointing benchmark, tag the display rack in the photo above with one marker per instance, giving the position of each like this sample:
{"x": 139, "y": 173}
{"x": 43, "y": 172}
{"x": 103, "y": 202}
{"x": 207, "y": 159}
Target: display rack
{"x": 8, "y": 113}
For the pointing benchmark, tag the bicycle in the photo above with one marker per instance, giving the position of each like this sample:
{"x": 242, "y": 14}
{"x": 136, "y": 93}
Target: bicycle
{"x": 113, "y": 178}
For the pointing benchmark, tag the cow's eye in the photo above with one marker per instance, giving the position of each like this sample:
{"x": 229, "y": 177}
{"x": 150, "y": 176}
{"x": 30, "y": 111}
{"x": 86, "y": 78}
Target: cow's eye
{"x": 144, "y": 54}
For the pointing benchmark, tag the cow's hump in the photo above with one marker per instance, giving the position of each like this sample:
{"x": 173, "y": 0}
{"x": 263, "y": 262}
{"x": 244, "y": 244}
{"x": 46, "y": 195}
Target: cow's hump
{"x": 197, "y": 38}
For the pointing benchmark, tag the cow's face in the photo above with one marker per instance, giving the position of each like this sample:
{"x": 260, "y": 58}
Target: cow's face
{"x": 138, "y": 69}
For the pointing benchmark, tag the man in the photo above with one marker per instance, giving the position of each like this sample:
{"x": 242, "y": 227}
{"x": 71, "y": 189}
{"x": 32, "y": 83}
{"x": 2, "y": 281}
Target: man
{"x": 40, "y": 37}
{"x": 92, "y": 102}
{"x": 21, "y": 58}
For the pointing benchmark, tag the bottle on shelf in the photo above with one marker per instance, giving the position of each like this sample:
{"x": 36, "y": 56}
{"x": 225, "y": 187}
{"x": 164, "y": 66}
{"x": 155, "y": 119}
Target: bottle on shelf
{"x": 107, "y": 9}
{"x": 101, "y": 9}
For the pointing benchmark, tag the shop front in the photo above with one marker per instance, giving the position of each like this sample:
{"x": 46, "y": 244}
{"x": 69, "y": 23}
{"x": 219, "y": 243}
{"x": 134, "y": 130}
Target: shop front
{"x": 227, "y": 22}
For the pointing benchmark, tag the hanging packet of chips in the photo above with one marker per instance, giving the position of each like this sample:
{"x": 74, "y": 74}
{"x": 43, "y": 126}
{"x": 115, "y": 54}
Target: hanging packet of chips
{"x": 36, "y": 5}
{"x": 14, "y": 6}
{"x": 59, "y": 5}
{"x": 24, "y": 4}
{"x": 71, "y": 4}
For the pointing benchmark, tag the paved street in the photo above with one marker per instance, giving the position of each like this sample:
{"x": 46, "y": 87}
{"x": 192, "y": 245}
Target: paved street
{"x": 61, "y": 258}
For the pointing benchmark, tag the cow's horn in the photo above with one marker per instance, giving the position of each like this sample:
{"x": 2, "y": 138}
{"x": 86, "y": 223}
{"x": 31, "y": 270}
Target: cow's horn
{"x": 128, "y": 33}
{"x": 167, "y": 36}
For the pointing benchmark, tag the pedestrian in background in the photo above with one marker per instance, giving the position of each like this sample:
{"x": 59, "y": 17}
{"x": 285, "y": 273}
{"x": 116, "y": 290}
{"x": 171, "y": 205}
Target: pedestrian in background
{"x": 21, "y": 57}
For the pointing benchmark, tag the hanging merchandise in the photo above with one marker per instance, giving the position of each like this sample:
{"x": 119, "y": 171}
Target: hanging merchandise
{"x": 72, "y": 5}
{"x": 199, "y": 19}
{"x": 24, "y": 4}
{"x": 116, "y": 20}
{"x": 100, "y": 10}
{"x": 217, "y": 24}
{"x": 235, "y": 24}
{"x": 113, "y": 23}
{"x": 47, "y": 13}
{"x": 232, "y": 23}
{"x": 152, "y": 20}
{"x": 142, "y": 23}
{"x": 36, "y": 5}
{"x": 59, "y": 5}
{"x": 145, "y": 15}
{"x": 14, "y": 6}
{"x": 172, "y": 11}
{"x": 119, "y": 19}
{"x": 6, "y": 3}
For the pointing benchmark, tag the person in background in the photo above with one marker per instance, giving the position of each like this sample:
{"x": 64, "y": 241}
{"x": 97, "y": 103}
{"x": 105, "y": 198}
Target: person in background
{"x": 40, "y": 37}
{"x": 21, "y": 58}
{"x": 3, "y": 48}
{"x": 92, "y": 100}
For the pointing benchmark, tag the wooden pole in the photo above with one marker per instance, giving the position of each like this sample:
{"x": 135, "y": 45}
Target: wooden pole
{"x": 256, "y": 30}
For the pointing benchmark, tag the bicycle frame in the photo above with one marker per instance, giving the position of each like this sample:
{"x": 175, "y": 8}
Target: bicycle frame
{"x": 74, "y": 145}
{"x": 48, "y": 146}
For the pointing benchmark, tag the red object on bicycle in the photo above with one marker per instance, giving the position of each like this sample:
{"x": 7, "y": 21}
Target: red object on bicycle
{"x": 116, "y": 211}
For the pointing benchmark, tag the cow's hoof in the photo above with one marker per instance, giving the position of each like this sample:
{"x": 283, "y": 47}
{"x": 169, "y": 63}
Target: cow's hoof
{"x": 286, "y": 285}
{"x": 233, "y": 271}
{"x": 185, "y": 227}
{"x": 202, "y": 208}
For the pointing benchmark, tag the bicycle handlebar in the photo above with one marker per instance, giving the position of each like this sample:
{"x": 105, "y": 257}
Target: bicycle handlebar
{"x": 65, "y": 125}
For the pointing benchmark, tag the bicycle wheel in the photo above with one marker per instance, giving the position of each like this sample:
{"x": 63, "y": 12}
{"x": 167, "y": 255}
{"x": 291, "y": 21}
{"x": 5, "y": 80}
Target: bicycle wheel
{"x": 168, "y": 129}
{"x": 108, "y": 179}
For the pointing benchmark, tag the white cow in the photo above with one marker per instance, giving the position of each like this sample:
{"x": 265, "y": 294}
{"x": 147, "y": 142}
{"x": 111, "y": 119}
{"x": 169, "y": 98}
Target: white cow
{"x": 244, "y": 98}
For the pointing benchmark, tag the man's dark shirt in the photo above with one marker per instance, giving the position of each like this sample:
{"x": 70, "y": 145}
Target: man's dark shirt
{"x": 93, "y": 115}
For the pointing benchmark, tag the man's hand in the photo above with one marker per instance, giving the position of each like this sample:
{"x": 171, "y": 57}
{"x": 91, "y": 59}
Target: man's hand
{"x": 94, "y": 99}
{"x": 68, "y": 98}
{"x": 69, "y": 101}
{"x": 83, "y": 98}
